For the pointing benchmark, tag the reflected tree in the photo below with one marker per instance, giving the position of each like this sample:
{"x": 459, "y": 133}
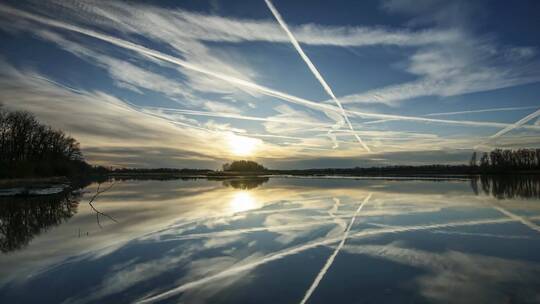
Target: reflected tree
{"x": 99, "y": 191}
{"x": 245, "y": 183}
{"x": 508, "y": 186}
{"x": 22, "y": 218}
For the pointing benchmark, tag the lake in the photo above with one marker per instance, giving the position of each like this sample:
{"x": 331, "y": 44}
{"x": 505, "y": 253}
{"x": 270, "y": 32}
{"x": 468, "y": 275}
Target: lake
{"x": 275, "y": 240}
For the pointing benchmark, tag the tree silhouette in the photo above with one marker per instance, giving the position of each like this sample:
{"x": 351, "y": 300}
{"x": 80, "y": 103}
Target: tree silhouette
{"x": 23, "y": 217}
{"x": 243, "y": 166}
{"x": 29, "y": 148}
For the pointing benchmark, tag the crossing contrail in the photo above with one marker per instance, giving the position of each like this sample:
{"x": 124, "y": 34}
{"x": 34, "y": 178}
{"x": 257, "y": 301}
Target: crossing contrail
{"x": 312, "y": 68}
{"x": 164, "y": 57}
{"x": 518, "y": 218}
{"x": 515, "y": 125}
{"x": 331, "y": 259}
{"x": 263, "y": 90}
{"x": 301, "y": 248}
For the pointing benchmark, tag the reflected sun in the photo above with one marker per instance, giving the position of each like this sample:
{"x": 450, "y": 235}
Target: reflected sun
{"x": 242, "y": 146}
{"x": 242, "y": 201}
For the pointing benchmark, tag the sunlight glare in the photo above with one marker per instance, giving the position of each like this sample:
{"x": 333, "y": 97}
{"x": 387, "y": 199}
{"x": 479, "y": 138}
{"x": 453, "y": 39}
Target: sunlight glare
{"x": 241, "y": 145}
{"x": 242, "y": 201}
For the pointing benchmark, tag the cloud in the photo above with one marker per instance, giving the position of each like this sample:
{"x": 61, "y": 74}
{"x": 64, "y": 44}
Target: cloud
{"x": 176, "y": 26}
{"x": 215, "y": 106}
{"x": 455, "y": 69}
{"x": 445, "y": 61}
{"x": 473, "y": 278}
{"x": 110, "y": 130}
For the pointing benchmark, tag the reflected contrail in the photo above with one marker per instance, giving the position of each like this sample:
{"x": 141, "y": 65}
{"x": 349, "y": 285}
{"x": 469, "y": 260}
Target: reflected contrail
{"x": 489, "y": 235}
{"x": 313, "y": 69}
{"x": 225, "y": 233}
{"x": 518, "y": 218}
{"x": 331, "y": 259}
{"x": 301, "y": 248}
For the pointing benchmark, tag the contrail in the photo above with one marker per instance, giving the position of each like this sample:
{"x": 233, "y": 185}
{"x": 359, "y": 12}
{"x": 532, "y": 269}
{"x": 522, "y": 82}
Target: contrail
{"x": 164, "y": 57}
{"x": 482, "y": 111}
{"x": 517, "y": 124}
{"x": 374, "y": 115}
{"x": 263, "y": 90}
{"x": 236, "y": 116}
{"x": 312, "y": 68}
{"x": 470, "y": 123}
{"x": 225, "y": 233}
{"x": 301, "y": 248}
{"x": 331, "y": 259}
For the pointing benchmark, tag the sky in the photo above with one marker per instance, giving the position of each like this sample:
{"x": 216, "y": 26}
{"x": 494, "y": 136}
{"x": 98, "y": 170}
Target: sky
{"x": 290, "y": 84}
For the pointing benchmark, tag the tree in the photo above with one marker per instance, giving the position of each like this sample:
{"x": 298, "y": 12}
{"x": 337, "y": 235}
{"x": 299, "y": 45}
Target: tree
{"x": 472, "y": 162}
{"x": 484, "y": 160}
{"x": 500, "y": 160}
{"x": 244, "y": 166}
{"x": 29, "y": 148}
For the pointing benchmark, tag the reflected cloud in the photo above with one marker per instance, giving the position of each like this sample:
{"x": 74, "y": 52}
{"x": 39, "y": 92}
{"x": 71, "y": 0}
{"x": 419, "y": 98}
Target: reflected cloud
{"x": 459, "y": 277}
{"x": 192, "y": 240}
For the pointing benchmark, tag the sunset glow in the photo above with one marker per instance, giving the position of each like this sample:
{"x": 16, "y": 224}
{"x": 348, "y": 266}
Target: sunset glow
{"x": 242, "y": 146}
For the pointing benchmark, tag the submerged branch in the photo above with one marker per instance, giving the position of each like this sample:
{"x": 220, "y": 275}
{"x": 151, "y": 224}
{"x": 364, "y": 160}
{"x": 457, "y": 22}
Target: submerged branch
{"x": 98, "y": 213}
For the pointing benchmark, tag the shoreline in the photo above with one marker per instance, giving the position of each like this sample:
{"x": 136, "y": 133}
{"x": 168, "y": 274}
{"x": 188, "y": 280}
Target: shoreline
{"x": 43, "y": 181}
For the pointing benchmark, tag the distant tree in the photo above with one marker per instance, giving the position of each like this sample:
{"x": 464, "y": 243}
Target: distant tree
{"x": 472, "y": 162}
{"x": 243, "y": 166}
{"x": 484, "y": 160}
{"x": 500, "y": 160}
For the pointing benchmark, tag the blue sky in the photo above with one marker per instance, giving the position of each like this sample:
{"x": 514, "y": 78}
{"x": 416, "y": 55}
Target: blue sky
{"x": 195, "y": 83}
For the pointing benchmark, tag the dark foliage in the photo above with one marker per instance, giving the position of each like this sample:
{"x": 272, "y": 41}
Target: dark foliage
{"x": 245, "y": 183}
{"x": 244, "y": 166}
{"x": 504, "y": 160}
{"x": 508, "y": 186}
{"x": 22, "y": 218}
{"x": 29, "y": 148}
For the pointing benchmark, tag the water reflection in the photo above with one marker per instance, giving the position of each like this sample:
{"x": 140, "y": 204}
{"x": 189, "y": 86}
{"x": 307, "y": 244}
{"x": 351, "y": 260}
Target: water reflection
{"x": 245, "y": 183}
{"x": 321, "y": 240}
{"x": 242, "y": 201}
{"x": 508, "y": 186}
{"x": 21, "y": 218}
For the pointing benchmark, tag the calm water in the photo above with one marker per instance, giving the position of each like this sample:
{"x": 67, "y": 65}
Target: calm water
{"x": 281, "y": 240}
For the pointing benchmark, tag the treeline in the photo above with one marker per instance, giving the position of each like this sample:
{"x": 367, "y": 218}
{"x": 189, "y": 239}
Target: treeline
{"x": 128, "y": 171}
{"x": 426, "y": 170}
{"x": 31, "y": 149}
{"x": 504, "y": 160}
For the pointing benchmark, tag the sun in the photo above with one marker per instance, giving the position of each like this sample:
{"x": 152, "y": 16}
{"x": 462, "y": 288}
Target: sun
{"x": 241, "y": 145}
